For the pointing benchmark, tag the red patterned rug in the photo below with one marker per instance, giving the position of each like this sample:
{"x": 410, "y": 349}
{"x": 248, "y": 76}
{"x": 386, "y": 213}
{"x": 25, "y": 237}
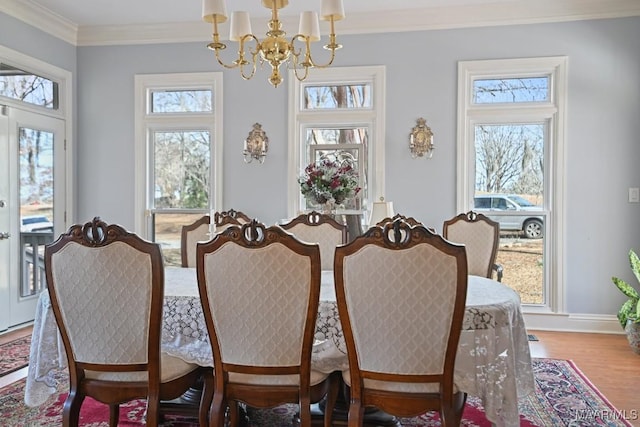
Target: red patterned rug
{"x": 14, "y": 355}
{"x": 563, "y": 397}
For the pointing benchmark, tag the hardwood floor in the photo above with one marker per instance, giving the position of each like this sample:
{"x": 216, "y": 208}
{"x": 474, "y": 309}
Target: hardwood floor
{"x": 607, "y": 360}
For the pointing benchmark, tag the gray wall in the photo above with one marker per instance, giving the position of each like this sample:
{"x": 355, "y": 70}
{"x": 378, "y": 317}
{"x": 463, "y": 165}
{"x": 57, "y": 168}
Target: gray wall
{"x": 602, "y": 130}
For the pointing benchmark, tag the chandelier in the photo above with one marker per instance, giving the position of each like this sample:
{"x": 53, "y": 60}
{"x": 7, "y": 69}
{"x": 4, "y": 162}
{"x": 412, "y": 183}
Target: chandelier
{"x": 274, "y": 49}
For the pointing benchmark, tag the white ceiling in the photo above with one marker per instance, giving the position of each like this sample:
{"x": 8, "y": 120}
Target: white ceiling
{"x": 86, "y": 22}
{"x": 116, "y": 12}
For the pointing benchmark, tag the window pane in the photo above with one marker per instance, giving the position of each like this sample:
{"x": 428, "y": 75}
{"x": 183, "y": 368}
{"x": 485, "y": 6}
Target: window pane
{"x": 27, "y": 87}
{"x": 337, "y": 136}
{"x": 326, "y": 137}
{"x": 181, "y": 101}
{"x": 353, "y": 156}
{"x": 511, "y": 90}
{"x": 167, "y": 231}
{"x": 509, "y": 190}
{"x": 522, "y": 261}
{"x": 509, "y": 158}
{"x": 339, "y": 96}
{"x": 181, "y": 169}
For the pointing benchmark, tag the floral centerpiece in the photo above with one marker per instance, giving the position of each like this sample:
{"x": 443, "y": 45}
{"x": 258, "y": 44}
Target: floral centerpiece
{"x": 329, "y": 183}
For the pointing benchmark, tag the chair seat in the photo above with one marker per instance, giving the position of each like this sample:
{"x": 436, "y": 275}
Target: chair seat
{"x": 172, "y": 368}
{"x": 397, "y": 386}
{"x": 316, "y": 378}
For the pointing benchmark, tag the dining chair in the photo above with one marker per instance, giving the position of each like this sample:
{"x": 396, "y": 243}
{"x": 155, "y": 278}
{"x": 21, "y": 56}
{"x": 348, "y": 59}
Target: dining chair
{"x": 238, "y": 215}
{"x": 222, "y": 222}
{"x": 401, "y": 293}
{"x": 481, "y": 236}
{"x": 260, "y": 290}
{"x": 200, "y": 231}
{"x": 191, "y": 234}
{"x": 106, "y": 287}
{"x": 316, "y": 227}
{"x": 410, "y": 220}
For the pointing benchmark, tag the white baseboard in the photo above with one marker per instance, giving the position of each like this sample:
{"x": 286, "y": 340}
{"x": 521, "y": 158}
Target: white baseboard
{"x": 592, "y": 323}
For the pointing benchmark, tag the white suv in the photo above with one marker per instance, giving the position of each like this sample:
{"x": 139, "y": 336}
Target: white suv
{"x": 527, "y": 222}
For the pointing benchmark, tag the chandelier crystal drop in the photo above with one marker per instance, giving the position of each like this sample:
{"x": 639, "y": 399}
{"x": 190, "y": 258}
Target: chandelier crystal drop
{"x": 274, "y": 49}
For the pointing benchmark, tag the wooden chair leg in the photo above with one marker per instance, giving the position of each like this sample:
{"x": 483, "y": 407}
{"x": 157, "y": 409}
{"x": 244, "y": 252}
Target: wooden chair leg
{"x": 114, "y": 414}
{"x": 356, "y": 414}
{"x": 153, "y": 411}
{"x": 332, "y": 396}
{"x": 71, "y": 409}
{"x": 207, "y": 397}
{"x": 217, "y": 412}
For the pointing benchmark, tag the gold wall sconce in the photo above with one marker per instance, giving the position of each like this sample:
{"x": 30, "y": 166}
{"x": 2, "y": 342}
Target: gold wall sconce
{"x": 421, "y": 140}
{"x": 256, "y": 145}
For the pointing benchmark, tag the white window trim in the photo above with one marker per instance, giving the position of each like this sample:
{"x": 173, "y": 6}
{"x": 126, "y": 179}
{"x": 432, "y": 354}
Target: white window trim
{"x": 554, "y": 112}
{"x": 64, "y": 78}
{"x": 144, "y": 122}
{"x": 376, "y": 156}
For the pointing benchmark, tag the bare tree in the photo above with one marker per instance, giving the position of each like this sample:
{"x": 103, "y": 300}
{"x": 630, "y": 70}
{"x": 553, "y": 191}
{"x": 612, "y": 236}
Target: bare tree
{"x": 508, "y": 158}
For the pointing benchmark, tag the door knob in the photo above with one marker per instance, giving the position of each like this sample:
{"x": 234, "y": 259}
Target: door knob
{"x": 4, "y": 235}
{"x": 2, "y": 203}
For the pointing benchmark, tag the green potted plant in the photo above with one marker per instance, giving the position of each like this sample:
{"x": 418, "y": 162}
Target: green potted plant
{"x": 629, "y": 313}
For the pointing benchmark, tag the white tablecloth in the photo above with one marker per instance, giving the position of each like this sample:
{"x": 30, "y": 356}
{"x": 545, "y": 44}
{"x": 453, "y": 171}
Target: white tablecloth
{"x": 493, "y": 361}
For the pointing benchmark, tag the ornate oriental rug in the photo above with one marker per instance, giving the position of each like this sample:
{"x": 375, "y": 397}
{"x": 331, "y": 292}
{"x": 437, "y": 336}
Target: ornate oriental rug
{"x": 14, "y": 355}
{"x": 563, "y": 397}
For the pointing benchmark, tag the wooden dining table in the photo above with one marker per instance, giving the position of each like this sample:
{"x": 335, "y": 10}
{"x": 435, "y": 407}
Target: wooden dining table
{"x": 493, "y": 362}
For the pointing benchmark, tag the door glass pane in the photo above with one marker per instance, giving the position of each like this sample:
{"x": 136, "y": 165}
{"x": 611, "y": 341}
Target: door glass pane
{"x": 509, "y": 189}
{"x": 495, "y": 91}
{"x": 36, "y": 204}
{"x": 181, "y": 169}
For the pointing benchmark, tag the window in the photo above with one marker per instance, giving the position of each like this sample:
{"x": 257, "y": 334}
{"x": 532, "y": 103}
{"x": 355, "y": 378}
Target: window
{"x": 339, "y": 115}
{"x": 178, "y": 122}
{"x": 28, "y": 87}
{"x": 510, "y": 154}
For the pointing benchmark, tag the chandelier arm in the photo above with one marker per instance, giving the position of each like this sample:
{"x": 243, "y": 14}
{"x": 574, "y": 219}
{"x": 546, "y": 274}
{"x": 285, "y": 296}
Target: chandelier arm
{"x": 314, "y": 65}
{"x": 307, "y": 62}
{"x": 306, "y": 73}
{"x": 252, "y": 53}
{"x": 228, "y": 66}
{"x": 253, "y": 71}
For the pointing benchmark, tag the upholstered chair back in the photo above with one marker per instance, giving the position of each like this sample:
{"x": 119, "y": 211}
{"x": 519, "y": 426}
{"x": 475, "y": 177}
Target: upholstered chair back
{"x": 401, "y": 304}
{"x": 401, "y": 291}
{"x": 198, "y": 231}
{"x": 481, "y": 237}
{"x": 260, "y": 289}
{"x": 106, "y": 287}
{"x": 84, "y": 278}
{"x": 321, "y": 229}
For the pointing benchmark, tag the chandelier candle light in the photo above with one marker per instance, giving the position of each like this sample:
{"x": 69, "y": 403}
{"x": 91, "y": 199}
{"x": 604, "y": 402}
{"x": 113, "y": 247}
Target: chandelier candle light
{"x": 274, "y": 49}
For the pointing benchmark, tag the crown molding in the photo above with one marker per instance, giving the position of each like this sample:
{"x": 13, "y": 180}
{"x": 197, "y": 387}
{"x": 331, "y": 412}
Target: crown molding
{"x": 41, "y": 18}
{"x": 515, "y": 12}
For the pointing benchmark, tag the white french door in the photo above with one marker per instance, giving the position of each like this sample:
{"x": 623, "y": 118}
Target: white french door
{"x": 32, "y": 185}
